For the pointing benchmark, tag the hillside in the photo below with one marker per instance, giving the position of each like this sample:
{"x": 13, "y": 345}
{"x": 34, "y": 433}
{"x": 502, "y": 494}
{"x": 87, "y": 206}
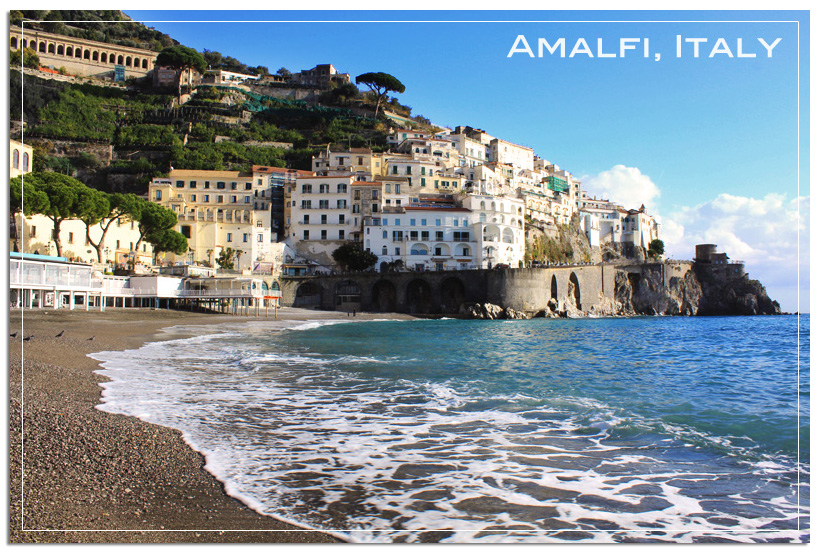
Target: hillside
{"x": 118, "y": 138}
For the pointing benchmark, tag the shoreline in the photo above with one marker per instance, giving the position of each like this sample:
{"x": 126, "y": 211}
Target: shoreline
{"x": 98, "y": 477}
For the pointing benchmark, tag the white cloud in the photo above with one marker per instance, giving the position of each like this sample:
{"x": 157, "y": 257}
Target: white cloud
{"x": 623, "y": 185}
{"x": 763, "y": 232}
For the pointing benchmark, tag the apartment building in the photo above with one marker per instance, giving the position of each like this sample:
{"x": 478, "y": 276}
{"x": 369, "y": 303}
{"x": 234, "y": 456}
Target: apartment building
{"x": 217, "y": 210}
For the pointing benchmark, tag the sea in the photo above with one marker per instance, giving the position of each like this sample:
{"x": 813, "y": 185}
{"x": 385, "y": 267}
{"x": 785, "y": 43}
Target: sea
{"x": 625, "y": 430}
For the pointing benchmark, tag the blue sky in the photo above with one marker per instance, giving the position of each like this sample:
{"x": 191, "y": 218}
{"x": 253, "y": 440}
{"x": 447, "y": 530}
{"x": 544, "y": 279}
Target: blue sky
{"x": 709, "y": 144}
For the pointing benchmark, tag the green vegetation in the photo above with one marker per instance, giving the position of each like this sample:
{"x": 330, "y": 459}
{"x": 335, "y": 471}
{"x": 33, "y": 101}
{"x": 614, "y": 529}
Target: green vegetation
{"x": 26, "y": 57}
{"x": 656, "y": 248}
{"x": 544, "y": 249}
{"x": 110, "y": 26}
{"x": 351, "y": 257}
{"x": 182, "y": 58}
{"x": 380, "y": 84}
{"x": 60, "y": 197}
{"x": 225, "y": 259}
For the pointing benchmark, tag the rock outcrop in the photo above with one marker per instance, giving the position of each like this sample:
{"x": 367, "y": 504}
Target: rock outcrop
{"x": 490, "y": 311}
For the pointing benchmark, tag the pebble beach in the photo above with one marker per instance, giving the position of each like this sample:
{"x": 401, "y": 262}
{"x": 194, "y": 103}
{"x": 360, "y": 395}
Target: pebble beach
{"x": 80, "y": 475}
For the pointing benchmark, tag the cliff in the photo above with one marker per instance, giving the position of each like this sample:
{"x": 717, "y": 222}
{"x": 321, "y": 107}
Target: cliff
{"x": 702, "y": 290}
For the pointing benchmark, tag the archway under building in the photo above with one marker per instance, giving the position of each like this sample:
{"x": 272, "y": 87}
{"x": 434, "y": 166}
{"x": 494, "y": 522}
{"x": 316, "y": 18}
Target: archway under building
{"x": 348, "y": 296}
{"x": 452, "y": 295}
{"x": 384, "y": 296}
{"x": 309, "y": 294}
{"x": 419, "y": 296}
{"x": 574, "y": 290}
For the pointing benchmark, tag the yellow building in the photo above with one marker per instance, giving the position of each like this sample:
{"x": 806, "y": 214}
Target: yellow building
{"x": 20, "y": 157}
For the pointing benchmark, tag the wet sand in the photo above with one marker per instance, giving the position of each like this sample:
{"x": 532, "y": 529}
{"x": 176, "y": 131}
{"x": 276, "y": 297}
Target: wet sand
{"x": 80, "y": 475}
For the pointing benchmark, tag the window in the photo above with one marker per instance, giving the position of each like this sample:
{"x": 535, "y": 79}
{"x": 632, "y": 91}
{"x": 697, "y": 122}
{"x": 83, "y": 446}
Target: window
{"x": 324, "y": 188}
{"x": 229, "y": 237}
{"x": 342, "y": 188}
{"x": 220, "y": 185}
{"x": 180, "y": 184}
{"x": 374, "y": 195}
{"x": 233, "y": 186}
{"x": 356, "y": 208}
{"x": 424, "y": 222}
{"x": 219, "y": 199}
{"x": 233, "y": 199}
{"x": 384, "y": 234}
{"x": 185, "y": 230}
{"x": 423, "y": 171}
{"x": 306, "y": 220}
{"x": 206, "y": 198}
{"x": 341, "y": 204}
{"x": 341, "y": 235}
{"x": 324, "y": 219}
{"x": 206, "y": 185}
{"x": 414, "y": 235}
{"x": 412, "y": 222}
{"x": 324, "y": 204}
{"x": 439, "y": 235}
{"x": 438, "y": 222}
{"x": 374, "y": 208}
{"x": 384, "y": 250}
{"x": 341, "y": 218}
{"x": 398, "y": 251}
{"x": 305, "y": 204}
{"x": 425, "y": 236}
{"x": 306, "y": 235}
{"x": 25, "y": 161}
{"x": 247, "y": 199}
{"x": 423, "y": 181}
{"x": 395, "y": 169}
{"x": 70, "y": 237}
{"x": 398, "y": 236}
{"x": 158, "y": 195}
{"x": 15, "y": 159}
{"x": 193, "y": 197}
{"x": 324, "y": 235}
{"x": 248, "y": 185}
{"x": 408, "y": 170}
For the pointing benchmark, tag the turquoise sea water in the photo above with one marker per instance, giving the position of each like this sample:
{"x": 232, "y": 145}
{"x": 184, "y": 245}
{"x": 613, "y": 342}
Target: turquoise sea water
{"x": 590, "y": 430}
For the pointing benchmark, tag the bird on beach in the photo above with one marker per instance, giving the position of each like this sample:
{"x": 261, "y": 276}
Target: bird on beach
{"x": 60, "y": 334}
{"x": 28, "y": 338}
{"x": 14, "y": 334}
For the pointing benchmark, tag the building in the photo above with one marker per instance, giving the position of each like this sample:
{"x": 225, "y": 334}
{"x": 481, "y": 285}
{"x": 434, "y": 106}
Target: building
{"x": 86, "y": 58}
{"x": 218, "y": 210}
{"x": 320, "y": 76}
{"x": 20, "y": 158}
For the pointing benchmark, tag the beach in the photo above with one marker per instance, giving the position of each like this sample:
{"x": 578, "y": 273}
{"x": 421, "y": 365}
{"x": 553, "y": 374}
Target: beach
{"x": 80, "y": 475}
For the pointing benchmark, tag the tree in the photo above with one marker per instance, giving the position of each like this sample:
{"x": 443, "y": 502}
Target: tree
{"x": 225, "y": 259}
{"x": 656, "y": 248}
{"x": 91, "y": 208}
{"x": 120, "y": 207}
{"x": 26, "y": 57}
{"x": 182, "y": 59}
{"x": 62, "y": 192}
{"x": 168, "y": 240}
{"x": 352, "y": 257}
{"x": 283, "y": 72}
{"x": 154, "y": 220}
{"x": 380, "y": 84}
{"x": 24, "y": 198}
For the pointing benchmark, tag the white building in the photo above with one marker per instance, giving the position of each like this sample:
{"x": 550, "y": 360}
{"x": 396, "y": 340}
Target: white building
{"x": 498, "y": 224}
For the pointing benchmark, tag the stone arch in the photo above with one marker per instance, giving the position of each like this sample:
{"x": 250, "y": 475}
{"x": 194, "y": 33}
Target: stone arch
{"x": 554, "y": 288}
{"x": 69, "y": 51}
{"x": 275, "y": 286}
{"x": 441, "y": 249}
{"x": 78, "y": 53}
{"x": 384, "y": 266}
{"x": 463, "y": 250}
{"x": 87, "y": 55}
{"x": 61, "y": 50}
{"x": 41, "y": 47}
{"x": 128, "y": 61}
{"x": 508, "y": 237}
{"x": 452, "y": 295}
{"x": 144, "y": 64}
{"x": 119, "y": 59}
{"x": 95, "y": 56}
{"x": 384, "y": 296}
{"x": 419, "y": 249}
{"x": 419, "y": 296}
{"x": 348, "y": 295}
{"x": 51, "y": 48}
{"x": 308, "y": 294}
{"x": 104, "y": 57}
{"x": 574, "y": 290}
{"x": 13, "y": 43}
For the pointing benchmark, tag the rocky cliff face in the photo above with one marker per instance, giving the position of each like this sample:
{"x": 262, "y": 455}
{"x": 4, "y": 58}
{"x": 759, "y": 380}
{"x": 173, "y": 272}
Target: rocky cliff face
{"x": 704, "y": 290}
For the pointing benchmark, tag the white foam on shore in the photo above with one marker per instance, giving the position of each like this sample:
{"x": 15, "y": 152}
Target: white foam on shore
{"x": 292, "y": 433}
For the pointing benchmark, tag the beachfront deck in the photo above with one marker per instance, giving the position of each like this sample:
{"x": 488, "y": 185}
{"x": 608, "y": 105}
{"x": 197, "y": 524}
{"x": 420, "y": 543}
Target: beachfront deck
{"x": 46, "y": 282}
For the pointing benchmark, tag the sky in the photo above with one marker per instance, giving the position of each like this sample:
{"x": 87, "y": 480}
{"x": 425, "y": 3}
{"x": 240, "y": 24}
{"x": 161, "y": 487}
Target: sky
{"x": 714, "y": 145}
